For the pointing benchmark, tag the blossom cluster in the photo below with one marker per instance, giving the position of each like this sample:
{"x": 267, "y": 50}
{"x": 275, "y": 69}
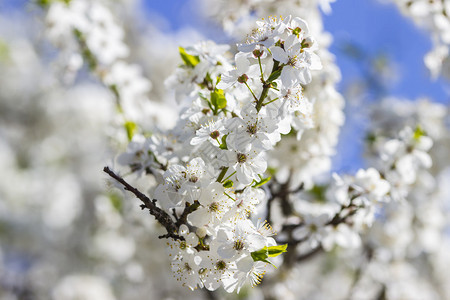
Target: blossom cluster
{"x": 212, "y": 167}
{"x": 434, "y": 17}
{"x": 310, "y": 159}
{"x": 88, "y": 33}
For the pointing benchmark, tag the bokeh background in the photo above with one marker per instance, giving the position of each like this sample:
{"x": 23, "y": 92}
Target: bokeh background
{"x": 62, "y": 227}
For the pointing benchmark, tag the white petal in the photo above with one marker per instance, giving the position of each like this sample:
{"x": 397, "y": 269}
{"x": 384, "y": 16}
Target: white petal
{"x": 279, "y": 55}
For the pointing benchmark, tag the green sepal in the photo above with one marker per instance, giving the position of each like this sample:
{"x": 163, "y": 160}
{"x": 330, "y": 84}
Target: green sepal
{"x": 189, "y": 60}
{"x": 274, "y": 75}
{"x": 228, "y": 184}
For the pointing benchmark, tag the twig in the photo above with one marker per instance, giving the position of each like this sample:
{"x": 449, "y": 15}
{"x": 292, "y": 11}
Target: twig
{"x": 160, "y": 215}
{"x": 187, "y": 210}
{"x": 309, "y": 254}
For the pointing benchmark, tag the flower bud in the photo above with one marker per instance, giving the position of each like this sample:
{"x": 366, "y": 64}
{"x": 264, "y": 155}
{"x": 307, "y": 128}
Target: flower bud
{"x": 201, "y": 232}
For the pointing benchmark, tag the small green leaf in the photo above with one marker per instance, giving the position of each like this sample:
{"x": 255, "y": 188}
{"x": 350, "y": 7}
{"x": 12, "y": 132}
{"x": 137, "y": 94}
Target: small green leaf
{"x": 189, "y": 60}
{"x": 4, "y": 51}
{"x": 228, "y": 184}
{"x": 262, "y": 182}
{"x": 271, "y": 170}
{"x": 371, "y": 138}
{"x": 274, "y": 75}
{"x": 260, "y": 255}
{"x": 266, "y": 252}
{"x": 224, "y": 143}
{"x": 218, "y": 99}
{"x": 116, "y": 201}
{"x": 319, "y": 191}
{"x": 276, "y": 250}
{"x": 131, "y": 129}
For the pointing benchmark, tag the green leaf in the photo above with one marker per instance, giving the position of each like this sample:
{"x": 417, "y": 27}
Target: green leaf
{"x": 266, "y": 252}
{"x": 4, "y": 51}
{"x": 274, "y": 75}
{"x": 371, "y": 138}
{"x": 131, "y": 129}
{"x": 218, "y": 99}
{"x": 260, "y": 255}
{"x": 262, "y": 182}
{"x": 189, "y": 60}
{"x": 45, "y": 3}
{"x": 271, "y": 170}
{"x": 319, "y": 191}
{"x": 116, "y": 201}
{"x": 276, "y": 250}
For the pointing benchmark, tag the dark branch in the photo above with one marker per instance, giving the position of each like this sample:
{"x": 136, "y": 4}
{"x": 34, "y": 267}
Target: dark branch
{"x": 309, "y": 254}
{"x": 160, "y": 215}
{"x": 187, "y": 210}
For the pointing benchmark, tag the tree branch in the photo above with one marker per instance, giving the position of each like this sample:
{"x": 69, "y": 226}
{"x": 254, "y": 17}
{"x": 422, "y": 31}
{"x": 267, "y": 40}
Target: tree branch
{"x": 160, "y": 215}
{"x": 309, "y": 254}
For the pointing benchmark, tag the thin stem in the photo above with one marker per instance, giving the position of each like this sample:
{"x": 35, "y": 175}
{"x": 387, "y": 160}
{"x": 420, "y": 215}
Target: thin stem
{"x": 260, "y": 68}
{"x": 310, "y": 254}
{"x": 254, "y": 96}
{"x": 222, "y": 174}
{"x": 229, "y": 176}
{"x": 229, "y": 196}
{"x": 266, "y": 87}
{"x": 271, "y": 101}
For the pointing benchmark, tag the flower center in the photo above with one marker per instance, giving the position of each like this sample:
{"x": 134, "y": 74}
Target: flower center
{"x": 252, "y": 128}
{"x": 214, "y": 135}
{"x": 221, "y": 265}
{"x": 214, "y": 207}
{"x": 313, "y": 227}
{"x": 292, "y": 61}
{"x": 238, "y": 245}
{"x": 241, "y": 158}
{"x": 297, "y": 31}
{"x": 183, "y": 245}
